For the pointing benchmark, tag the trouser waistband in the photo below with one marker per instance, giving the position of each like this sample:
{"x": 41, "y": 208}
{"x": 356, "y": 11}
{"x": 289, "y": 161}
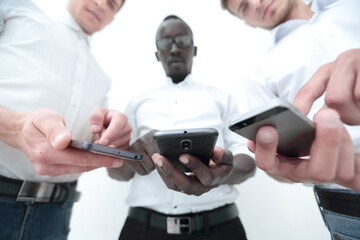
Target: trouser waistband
{"x": 38, "y": 191}
{"x": 341, "y": 202}
{"x": 185, "y": 223}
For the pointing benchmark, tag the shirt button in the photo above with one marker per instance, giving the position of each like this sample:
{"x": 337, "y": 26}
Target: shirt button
{"x": 175, "y": 206}
{"x": 336, "y": 236}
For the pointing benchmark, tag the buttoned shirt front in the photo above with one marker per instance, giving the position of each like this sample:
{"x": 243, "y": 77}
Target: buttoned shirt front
{"x": 45, "y": 62}
{"x": 180, "y": 106}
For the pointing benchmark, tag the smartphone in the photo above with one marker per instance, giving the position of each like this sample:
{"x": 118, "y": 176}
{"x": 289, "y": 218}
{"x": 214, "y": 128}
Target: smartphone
{"x": 104, "y": 150}
{"x": 199, "y": 142}
{"x": 296, "y": 131}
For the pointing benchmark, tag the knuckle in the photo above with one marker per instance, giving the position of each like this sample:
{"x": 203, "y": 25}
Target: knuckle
{"x": 38, "y": 156}
{"x": 336, "y": 100}
{"x": 207, "y": 179}
{"x": 41, "y": 169}
{"x": 345, "y": 175}
{"x": 149, "y": 169}
{"x": 322, "y": 176}
{"x": 186, "y": 189}
{"x": 168, "y": 174}
{"x": 195, "y": 167}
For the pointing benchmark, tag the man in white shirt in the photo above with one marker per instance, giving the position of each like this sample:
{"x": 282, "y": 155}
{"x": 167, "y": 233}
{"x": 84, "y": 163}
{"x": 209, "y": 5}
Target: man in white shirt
{"x": 51, "y": 90}
{"x": 306, "y": 37}
{"x": 168, "y": 204}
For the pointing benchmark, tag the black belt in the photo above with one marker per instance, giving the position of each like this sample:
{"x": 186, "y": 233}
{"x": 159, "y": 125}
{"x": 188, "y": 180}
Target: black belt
{"x": 339, "y": 202}
{"x": 38, "y": 191}
{"x": 187, "y": 223}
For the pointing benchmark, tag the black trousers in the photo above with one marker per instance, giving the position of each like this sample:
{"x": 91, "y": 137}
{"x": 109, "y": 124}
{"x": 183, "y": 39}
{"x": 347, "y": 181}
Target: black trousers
{"x": 231, "y": 230}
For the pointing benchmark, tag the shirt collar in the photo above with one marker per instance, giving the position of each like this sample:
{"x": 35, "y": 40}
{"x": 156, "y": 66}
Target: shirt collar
{"x": 286, "y": 28}
{"x": 188, "y": 80}
{"x": 69, "y": 21}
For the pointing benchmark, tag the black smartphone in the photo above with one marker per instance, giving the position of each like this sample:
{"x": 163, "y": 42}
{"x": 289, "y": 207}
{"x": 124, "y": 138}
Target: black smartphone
{"x": 296, "y": 131}
{"x": 199, "y": 142}
{"x": 104, "y": 150}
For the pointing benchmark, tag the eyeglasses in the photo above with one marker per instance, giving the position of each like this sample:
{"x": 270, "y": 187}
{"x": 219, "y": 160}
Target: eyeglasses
{"x": 180, "y": 40}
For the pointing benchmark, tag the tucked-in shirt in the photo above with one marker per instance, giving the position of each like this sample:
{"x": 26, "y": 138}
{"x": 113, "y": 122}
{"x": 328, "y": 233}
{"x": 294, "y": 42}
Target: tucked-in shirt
{"x": 181, "y": 106}
{"x": 300, "y": 48}
{"x": 46, "y": 63}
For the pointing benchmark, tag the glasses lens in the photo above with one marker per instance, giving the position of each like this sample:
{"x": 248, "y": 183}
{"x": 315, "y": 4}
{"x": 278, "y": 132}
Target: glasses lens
{"x": 164, "y": 43}
{"x": 183, "y": 41}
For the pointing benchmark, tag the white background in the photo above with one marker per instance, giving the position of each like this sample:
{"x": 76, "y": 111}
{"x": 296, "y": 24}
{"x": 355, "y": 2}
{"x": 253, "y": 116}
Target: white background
{"x": 227, "y": 48}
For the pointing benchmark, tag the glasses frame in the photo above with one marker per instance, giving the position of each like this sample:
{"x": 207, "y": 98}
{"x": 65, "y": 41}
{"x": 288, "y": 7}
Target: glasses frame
{"x": 173, "y": 40}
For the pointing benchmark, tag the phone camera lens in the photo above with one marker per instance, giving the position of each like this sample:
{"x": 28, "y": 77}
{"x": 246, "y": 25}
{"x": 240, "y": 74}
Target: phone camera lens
{"x": 186, "y": 144}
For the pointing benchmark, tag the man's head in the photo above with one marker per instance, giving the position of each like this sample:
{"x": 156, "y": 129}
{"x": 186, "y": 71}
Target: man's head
{"x": 94, "y": 15}
{"x": 264, "y": 13}
{"x": 175, "y": 47}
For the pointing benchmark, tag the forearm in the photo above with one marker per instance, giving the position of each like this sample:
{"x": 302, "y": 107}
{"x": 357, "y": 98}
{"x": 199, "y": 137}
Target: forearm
{"x": 243, "y": 168}
{"x": 11, "y": 126}
{"x": 124, "y": 173}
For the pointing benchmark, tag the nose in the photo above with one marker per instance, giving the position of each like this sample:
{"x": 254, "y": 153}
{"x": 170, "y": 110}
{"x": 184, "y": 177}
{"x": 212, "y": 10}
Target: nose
{"x": 256, "y": 4}
{"x": 100, "y": 4}
{"x": 174, "y": 49}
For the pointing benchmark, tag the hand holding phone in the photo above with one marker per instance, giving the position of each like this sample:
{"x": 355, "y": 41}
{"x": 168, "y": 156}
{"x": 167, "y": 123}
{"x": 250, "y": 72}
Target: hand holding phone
{"x": 199, "y": 142}
{"x": 296, "y": 131}
{"x": 104, "y": 150}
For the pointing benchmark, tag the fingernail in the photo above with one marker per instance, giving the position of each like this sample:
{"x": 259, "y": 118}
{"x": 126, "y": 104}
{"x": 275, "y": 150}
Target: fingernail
{"x": 117, "y": 164}
{"x": 158, "y": 161}
{"x": 95, "y": 128}
{"x": 58, "y": 138}
{"x": 266, "y": 137}
{"x": 184, "y": 159}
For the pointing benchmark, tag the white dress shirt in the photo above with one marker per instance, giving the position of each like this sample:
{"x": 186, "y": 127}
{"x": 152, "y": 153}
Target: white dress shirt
{"x": 179, "y": 106}
{"x": 45, "y": 62}
{"x": 300, "y": 48}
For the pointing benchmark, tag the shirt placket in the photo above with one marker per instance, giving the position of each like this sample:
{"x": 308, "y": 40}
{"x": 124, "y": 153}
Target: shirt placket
{"x": 78, "y": 84}
{"x": 177, "y": 112}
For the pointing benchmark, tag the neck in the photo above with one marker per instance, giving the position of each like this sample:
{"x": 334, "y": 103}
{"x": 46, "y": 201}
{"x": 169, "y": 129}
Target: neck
{"x": 300, "y": 10}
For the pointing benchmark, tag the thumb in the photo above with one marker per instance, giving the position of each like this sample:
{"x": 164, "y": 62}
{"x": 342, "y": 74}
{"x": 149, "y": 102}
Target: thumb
{"x": 61, "y": 139}
{"x": 52, "y": 125}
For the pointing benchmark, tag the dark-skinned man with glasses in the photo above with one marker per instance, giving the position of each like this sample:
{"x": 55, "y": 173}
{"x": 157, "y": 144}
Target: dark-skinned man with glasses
{"x": 167, "y": 203}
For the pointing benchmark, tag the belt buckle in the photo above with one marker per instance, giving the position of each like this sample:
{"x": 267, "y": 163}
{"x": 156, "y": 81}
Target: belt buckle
{"x": 35, "y": 192}
{"x": 178, "y": 225}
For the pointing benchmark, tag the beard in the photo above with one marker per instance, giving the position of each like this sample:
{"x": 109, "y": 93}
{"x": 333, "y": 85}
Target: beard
{"x": 176, "y": 78}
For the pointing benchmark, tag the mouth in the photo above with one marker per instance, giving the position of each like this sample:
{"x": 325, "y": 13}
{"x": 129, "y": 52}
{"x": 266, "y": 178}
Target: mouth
{"x": 94, "y": 15}
{"x": 176, "y": 60}
{"x": 267, "y": 9}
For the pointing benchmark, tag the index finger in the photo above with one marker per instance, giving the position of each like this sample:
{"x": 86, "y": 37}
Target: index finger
{"x": 313, "y": 89}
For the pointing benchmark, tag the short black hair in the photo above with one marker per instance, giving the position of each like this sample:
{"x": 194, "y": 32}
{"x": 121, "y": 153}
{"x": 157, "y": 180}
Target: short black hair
{"x": 172, "y": 16}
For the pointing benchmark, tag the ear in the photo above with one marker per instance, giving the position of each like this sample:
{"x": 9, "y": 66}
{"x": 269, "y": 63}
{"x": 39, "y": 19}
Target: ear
{"x": 157, "y": 56}
{"x": 195, "y": 51}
